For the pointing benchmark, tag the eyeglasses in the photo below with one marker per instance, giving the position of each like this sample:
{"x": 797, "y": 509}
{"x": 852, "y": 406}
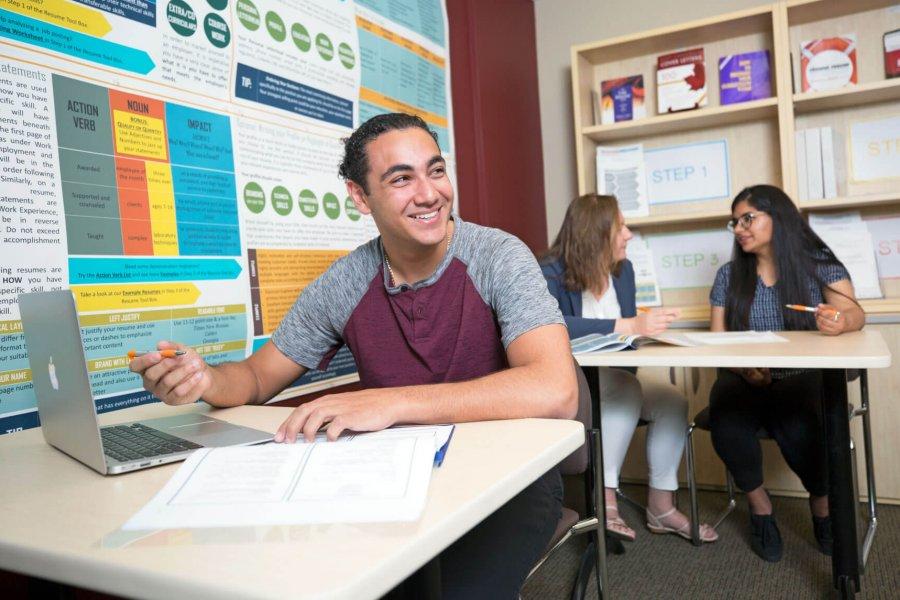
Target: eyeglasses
{"x": 745, "y": 220}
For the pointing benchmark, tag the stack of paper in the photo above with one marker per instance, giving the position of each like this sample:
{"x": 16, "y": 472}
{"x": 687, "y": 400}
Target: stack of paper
{"x": 849, "y": 238}
{"x": 725, "y": 338}
{"x": 377, "y": 477}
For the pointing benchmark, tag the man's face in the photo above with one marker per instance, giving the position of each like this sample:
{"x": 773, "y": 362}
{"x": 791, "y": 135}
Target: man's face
{"x": 410, "y": 195}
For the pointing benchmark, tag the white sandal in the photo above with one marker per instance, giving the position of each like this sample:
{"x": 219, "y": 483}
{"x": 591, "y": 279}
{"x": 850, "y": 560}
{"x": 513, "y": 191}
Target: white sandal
{"x": 616, "y": 527}
{"x": 655, "y": 525}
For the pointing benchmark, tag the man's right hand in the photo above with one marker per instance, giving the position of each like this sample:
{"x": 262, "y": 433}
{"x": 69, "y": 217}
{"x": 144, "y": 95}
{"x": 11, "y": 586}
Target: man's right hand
{"x": 179, "y": 380}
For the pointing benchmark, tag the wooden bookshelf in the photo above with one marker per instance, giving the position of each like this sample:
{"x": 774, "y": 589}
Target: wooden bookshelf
{"x": 760, "y": 134}
{"x": 760, "y": 137}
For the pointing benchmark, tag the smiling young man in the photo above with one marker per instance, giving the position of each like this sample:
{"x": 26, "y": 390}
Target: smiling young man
{"x": 447, "y": 321}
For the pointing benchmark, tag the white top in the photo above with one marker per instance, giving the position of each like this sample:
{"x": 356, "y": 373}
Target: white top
{"x": 60, "y": 519}
{"x": 806, "y": 350}
{"x": 606, "y": 307}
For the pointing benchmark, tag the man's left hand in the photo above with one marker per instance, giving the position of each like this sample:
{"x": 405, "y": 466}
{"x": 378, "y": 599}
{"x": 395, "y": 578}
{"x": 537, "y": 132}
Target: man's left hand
{"x": 366, "y": 410}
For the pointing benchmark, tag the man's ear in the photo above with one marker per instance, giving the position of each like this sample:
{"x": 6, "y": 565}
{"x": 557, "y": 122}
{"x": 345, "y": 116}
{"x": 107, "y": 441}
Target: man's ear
{"x": 359, "y": 196}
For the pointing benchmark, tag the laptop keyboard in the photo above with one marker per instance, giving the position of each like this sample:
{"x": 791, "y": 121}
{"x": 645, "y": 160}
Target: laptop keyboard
{"x": 136, "y": 441}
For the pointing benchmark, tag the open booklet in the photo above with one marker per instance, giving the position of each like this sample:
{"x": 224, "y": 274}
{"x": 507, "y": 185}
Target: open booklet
{"x": 376, "y": 477}
{"x": 613, "y": 342}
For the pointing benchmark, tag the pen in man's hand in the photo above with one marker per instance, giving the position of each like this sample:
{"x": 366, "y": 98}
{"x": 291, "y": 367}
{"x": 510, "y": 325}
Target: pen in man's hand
{"x": 164, "y": 353}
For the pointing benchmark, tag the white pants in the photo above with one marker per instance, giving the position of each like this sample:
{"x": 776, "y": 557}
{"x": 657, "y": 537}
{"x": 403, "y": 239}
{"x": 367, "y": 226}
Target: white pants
{"x": 623, "y": 400}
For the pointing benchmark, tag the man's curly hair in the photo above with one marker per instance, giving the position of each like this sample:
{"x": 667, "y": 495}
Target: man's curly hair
{"x": 355, "y": 164}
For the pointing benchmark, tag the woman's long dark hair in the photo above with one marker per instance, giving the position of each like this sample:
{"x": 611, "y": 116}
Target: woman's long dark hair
{"x": 797, "y": 252}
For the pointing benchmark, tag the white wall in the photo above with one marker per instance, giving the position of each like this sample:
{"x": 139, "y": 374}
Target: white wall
{"x": 560, "y": 24}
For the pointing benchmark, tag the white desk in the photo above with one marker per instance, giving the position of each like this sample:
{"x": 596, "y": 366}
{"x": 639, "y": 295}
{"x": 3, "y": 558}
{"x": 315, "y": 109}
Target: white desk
{"x": 59, "y": 519}
{"x": 805, "y": 349}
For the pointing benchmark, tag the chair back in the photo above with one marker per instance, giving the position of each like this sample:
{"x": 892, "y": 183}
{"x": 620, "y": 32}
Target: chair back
{"x": 577, "y": 462}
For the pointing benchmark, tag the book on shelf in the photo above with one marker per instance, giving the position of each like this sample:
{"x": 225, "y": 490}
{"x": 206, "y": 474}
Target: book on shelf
{"x": 613, "y": 342}
{"x": 816, "y": 172}
{"x": 744, "y": 77}
{"x": 800, "y": 156}
{"x": 892, "y": 54}
{"x": 814, "y": 163}
{"x": 622, "y": 99}
{"x": 829, "y": 178}
{"x": 680, "y": 81}
{"x": 828, "y": 63}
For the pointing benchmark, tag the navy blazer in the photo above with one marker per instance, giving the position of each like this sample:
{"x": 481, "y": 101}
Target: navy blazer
{"x": 570, "y": 302}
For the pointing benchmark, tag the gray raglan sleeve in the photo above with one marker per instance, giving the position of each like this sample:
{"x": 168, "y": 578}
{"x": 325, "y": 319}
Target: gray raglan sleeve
{"x": 517, "y": 290}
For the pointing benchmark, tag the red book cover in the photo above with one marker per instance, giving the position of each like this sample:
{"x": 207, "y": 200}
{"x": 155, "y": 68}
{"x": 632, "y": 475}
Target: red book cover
{"x": 680, "y": 81}
{"x": 828, "y": 63}
{"x": 892, "y": 54}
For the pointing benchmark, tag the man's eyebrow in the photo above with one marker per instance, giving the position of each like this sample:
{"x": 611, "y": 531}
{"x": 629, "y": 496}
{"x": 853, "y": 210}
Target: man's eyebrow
{"x": 395, "y": 169}
{"x": 436, "y": 159}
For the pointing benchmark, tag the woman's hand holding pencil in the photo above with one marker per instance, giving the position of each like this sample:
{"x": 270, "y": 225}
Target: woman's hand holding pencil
{"x": 828, "y": 318}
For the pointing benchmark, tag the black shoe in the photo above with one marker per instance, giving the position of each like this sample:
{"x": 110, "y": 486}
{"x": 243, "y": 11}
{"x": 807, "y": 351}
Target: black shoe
{"x": 765, "y": 539}
{"x": 822, "y": 531}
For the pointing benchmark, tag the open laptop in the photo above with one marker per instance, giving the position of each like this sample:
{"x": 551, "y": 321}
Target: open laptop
{"x": 68, "y": 413}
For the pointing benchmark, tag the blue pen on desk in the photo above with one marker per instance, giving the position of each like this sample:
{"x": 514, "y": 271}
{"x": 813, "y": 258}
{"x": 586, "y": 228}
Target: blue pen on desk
{"x": 442, "y": 451}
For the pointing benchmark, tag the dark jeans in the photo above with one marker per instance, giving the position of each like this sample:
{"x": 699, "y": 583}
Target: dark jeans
{"x": 492, "y": 560}
{"x": 789, "y": 409}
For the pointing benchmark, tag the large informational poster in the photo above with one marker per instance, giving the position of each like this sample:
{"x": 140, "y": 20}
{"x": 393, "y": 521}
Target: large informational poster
{"x": 174, "y": 163}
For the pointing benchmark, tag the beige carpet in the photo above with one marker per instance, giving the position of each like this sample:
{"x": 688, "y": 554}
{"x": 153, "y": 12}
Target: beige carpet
{"x": 665, "y": 566}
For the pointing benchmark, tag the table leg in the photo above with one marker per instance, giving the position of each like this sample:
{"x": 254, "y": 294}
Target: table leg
{"x": 592, "y": 374}
{"x": 842, "y": 505}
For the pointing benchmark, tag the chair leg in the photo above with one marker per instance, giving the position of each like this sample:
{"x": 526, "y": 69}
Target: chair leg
{"x": 692, "y": 485}
{"x": 732, "y": 503}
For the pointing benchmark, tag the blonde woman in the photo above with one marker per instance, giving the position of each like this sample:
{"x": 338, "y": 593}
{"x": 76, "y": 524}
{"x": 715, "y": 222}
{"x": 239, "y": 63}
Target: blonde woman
{"x": 588, "y": 273}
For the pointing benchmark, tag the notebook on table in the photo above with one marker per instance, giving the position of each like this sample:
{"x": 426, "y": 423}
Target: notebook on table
{"x": 613, "y": 342}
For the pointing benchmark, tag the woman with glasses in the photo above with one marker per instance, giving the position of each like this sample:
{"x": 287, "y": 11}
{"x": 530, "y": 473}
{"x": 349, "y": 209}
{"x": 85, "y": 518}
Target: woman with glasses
{"x": 593, "y": 282}
{"x": 777, "y": 260}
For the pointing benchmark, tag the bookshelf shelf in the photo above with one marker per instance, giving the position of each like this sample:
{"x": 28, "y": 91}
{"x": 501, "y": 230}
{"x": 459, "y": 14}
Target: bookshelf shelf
{"x": 867, "y": 93}
{"x": 705, "y": 216}
{"x": 715, "y": 116}
{"x": 697, "y": 33}
{"x": 709, "y": 216}
{"x": 851, "y": 201}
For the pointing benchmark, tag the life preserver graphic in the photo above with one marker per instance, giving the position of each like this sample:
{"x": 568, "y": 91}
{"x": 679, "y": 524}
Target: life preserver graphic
{"x": 829, "y": 63}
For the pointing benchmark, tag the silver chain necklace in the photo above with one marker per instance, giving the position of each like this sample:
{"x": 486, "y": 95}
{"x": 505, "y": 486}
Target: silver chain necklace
{"x": 388, "y": 262}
